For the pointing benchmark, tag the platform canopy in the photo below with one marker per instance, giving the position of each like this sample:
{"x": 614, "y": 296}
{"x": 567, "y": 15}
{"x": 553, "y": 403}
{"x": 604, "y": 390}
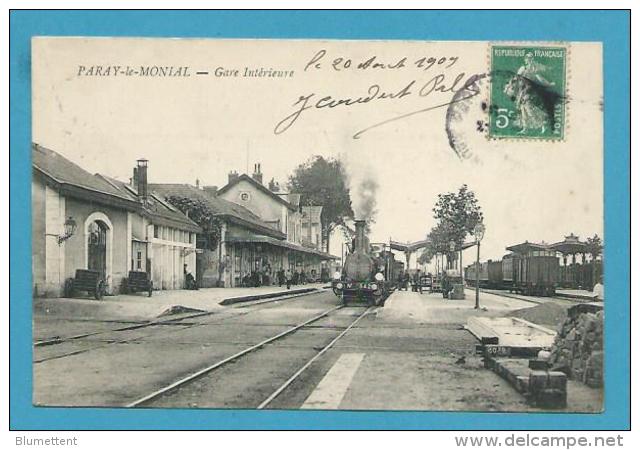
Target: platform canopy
{"x": 526, "y": 247}
{"x": 570, "y": 246}
{"x": 466, "y": 245}
{"x": 260, "y": 239}
{"x": 408, "y": 246}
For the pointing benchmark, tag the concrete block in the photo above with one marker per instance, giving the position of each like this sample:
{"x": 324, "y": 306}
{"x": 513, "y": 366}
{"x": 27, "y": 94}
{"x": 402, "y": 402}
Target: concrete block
{"x": 550, "y": 399}
{"x": 522, "y": 384}
{"x": 538, "y": 380}
{"x": 557, "y": 380}
{"x": 538, "y": 364}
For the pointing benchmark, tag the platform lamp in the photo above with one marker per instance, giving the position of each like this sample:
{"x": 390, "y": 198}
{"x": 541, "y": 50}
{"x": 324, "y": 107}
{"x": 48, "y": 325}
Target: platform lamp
{"x": 478, "y": 233}
{"x": 452, "y": 249}
{"x": 70, "y": 227}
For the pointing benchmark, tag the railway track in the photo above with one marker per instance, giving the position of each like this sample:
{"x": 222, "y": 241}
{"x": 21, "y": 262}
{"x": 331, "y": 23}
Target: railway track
{"x": 147, "y": 400}
{"x": 176, "y": 321}
{"x": 524, "y": 298}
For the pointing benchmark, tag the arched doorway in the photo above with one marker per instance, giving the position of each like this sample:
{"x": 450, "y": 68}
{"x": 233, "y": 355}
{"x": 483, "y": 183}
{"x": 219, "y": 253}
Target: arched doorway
{"x": 97, "y": 247}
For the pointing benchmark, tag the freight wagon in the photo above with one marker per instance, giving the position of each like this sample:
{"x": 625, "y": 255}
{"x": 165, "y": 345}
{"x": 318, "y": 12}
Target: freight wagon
{"x": 530, "y": 269}
{"x": 489, "y": 276}
{"x": 534, "y": 270}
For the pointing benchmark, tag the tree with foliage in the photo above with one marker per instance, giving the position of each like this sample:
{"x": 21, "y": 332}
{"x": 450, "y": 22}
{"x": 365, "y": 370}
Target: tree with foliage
{"x": 594, "y": 246}
{"x": 323, "y": 181}
{"x": 198, "y": 211}
{"x": 457, "y": 214}
{"x": 460, "y": 210}
{"x": 439, "y": 239}
{"x": 427, "y": 254}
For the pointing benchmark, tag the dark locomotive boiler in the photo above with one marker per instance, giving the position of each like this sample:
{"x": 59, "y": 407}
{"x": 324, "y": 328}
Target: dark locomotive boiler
{"x": 367, "y": 275}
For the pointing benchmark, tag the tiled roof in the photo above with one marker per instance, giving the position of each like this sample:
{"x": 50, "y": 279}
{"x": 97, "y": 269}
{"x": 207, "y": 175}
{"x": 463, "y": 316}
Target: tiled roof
{"x": 156, "y": 208}
{"x": 65, "y": 172}
{"x": 259, "y": 186}
{"x": 68, "y": 174}
{"x": 217, "y": 205}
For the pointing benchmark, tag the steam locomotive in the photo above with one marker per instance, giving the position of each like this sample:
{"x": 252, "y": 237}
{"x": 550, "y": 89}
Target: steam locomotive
{"x": 369, "y": 273}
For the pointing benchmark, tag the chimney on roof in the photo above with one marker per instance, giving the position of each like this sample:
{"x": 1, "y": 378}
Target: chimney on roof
{"x": 257, "y": 174}
{"x": 134, "y": 179}
{"x": 233, "y": 176}
{"x": 211, "y": 190}
{"x": 274, "y": 186}
{"x": 142, "y": 178}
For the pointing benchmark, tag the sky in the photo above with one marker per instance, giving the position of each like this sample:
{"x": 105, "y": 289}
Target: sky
{"x": 203, "y": 126}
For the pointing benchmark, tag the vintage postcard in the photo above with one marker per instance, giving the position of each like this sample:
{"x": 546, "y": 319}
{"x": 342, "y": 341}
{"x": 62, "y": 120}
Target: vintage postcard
{"x": 318, "y": 224}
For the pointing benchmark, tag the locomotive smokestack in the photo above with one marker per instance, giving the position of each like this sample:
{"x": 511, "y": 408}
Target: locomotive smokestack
{"x": 360, "y": 235}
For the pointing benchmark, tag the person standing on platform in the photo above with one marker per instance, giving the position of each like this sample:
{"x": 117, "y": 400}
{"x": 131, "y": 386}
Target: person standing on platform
{"x": 289, "y": 278}
{"x": 598, "y": 290}
{"x": 280, "y": 277}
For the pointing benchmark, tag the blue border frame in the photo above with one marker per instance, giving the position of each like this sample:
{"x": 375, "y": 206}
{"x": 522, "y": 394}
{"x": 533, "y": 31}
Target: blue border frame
{"x": 610, "y": 27}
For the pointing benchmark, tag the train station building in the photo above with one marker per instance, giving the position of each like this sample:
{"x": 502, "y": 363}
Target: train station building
{"x": 259, "y": 232}
{"x": 92, "y": 222}
{"x": 95, "y": 222}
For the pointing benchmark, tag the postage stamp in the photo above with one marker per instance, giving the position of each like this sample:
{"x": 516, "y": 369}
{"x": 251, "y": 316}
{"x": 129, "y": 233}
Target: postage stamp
{"x": 528, "y": 92}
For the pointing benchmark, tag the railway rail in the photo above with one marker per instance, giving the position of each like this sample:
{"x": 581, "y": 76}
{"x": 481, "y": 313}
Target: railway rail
{"x": 524, "y": 298}
{"x": 179, "y": 321}
{"x": 148, "y": 399}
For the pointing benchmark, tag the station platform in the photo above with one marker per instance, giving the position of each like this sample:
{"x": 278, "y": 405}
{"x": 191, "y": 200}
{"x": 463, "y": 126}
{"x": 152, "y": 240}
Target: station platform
{"x": 139, "y": 307}
{"x": 417, "y": 355}
{"x": 578, "y": 294}
{"x": 433, "y": 308}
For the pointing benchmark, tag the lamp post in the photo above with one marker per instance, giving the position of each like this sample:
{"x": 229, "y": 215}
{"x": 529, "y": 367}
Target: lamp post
{"x": 452, "y": 249}
{"x": 478, "y": 233}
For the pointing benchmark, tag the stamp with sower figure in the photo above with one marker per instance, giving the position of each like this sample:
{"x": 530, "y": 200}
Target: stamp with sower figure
{"x": 528, "y": 92}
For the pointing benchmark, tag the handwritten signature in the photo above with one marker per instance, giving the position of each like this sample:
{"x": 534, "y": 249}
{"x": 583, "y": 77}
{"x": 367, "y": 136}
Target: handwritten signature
{"x": 440, "y": 83}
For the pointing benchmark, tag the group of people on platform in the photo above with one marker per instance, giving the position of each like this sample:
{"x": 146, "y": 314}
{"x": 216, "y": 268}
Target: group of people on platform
{"x": 263, "y": 277}
{"x": 283, "y": 277}
{"x": 404, "y": 279}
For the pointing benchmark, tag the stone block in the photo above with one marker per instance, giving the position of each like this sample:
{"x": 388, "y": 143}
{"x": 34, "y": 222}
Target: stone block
{"x": 557, "y": 380}
{"x": 538, "y": 364}
{"x": 550, "y": 399}
{"x": 522, "y": 384}
{"x": 538, "y": 380}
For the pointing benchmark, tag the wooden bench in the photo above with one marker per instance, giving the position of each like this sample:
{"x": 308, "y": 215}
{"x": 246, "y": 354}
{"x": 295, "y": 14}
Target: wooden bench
{"x": 138, "y": 281}
{"x": 89, "y": 281}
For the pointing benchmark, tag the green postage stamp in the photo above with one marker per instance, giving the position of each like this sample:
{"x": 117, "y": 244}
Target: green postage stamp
{"x": 528, "y": 97}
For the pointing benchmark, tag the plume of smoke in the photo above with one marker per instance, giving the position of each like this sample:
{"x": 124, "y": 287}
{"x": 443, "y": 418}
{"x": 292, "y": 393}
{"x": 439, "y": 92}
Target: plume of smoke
{"x": 363, "y": 187}
{"x": 365, "y": 198}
